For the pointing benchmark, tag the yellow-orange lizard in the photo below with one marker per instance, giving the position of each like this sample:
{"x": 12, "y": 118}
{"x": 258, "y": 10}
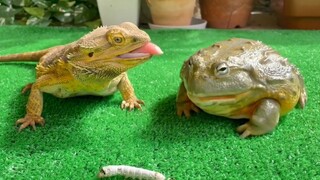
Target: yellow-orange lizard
{"x": 96, "y": 64}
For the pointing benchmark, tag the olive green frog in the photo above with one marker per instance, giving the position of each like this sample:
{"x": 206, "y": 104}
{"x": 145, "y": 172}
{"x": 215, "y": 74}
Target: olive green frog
{"x": 241, "y": 78}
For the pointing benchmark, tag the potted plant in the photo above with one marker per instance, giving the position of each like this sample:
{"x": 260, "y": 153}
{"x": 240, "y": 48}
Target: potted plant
{"x": 171, "y": 12}
{"x": 226, "y": 13}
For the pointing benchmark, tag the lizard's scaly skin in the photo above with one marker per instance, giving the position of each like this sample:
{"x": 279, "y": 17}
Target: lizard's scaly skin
{"x": 96, "y": 64}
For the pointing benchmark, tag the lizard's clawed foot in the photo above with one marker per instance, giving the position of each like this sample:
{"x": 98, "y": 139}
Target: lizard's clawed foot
{"x": 26, "y": 88}
{"x": 249, "y": 129}
{"x": 131, "y": 104}
{"x": 186, "y": 108}
{"x": 30, "y": 120}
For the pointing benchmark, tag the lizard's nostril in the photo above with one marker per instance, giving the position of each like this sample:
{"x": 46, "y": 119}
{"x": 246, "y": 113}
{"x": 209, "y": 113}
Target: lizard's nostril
{"x": 90, "y": 54}
{"x": 135, "y": 39}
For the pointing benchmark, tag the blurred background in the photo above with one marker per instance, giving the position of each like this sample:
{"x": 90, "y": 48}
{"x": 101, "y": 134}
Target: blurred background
{"x": 225, "y": 14}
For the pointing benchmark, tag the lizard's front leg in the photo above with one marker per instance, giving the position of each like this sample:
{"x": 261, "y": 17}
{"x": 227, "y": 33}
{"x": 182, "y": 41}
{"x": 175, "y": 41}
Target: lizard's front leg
{"x": 34, "y": 109}
{"x": 129, "y": 98}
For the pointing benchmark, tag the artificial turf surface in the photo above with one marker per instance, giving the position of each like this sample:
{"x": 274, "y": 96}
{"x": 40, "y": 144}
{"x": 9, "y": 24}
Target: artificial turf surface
{"x": 84, "y": 133}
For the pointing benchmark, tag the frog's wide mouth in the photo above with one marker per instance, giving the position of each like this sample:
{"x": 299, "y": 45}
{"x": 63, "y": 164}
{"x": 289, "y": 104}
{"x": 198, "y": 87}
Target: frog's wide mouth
{"x": 212, "y": 99}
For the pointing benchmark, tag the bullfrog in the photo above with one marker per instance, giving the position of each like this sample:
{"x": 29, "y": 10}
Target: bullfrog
{"x": 241, "y": 78}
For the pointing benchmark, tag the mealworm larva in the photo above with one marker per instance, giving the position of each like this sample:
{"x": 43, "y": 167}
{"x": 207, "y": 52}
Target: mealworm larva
{"x": 130, "y": 171}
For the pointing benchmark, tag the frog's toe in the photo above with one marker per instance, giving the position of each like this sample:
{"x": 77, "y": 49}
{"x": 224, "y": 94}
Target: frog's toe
{"x": 244, "y": 130}
{"x": 187, "y": 113}
{"x": 186, "y": 108}
{"x": 249, "y": 129}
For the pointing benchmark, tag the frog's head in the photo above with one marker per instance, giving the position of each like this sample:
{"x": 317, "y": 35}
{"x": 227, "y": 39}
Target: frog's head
{"x": 211, "y": 74}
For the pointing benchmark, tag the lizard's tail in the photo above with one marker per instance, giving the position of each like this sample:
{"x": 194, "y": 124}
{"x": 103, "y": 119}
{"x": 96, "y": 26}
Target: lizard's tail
{"x": 28, "y": 56}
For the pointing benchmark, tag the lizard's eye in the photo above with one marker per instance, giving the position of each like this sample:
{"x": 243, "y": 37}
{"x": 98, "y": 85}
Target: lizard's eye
{"x": 118, "y": 40}
{"x": 115, "y": 37}
{"x": 221, "y": 70}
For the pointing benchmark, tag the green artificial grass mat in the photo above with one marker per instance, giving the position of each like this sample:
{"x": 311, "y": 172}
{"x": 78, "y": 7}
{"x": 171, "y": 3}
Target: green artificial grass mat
{"x": 84, "y": 133}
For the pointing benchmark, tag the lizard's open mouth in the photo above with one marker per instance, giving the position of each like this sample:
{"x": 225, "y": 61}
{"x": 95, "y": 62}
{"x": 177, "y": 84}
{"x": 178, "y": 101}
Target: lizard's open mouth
{"x": 143, "y": 52}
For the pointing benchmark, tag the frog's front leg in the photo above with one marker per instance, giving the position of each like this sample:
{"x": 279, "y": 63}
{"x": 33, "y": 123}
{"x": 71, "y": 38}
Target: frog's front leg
{"x": 264, "y": 119}
{"x": 129, "y": 98}
{"x": 184, "y": 104}
{"x": 34, "y": 109}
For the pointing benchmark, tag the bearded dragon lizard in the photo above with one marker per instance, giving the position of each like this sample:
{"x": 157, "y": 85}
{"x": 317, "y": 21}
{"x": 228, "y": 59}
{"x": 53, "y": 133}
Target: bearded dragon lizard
{"x": 96, "y": 64}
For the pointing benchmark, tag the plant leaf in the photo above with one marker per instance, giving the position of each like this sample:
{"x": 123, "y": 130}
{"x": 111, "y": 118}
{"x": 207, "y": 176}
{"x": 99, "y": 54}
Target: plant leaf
{"x": 2, "y": 21}
{"x": 6, "y": 2}
{"x": 64, "y": 17}
{"x": 35, "y": 11}
{"x": 6, "y": 21}
{"x": 53, "y": 12}
{"x": 42, "y": 3}
{"x": 66, "y": 3}
{"x": 93, "y": 24}
{"x": 60, "y": 8}
{"x": 82, "y": 14}
{"x": 7, "y": 14}
{"x": 8, "y": 11}
{"x": 89, "y": 3}
{"x": 38, "y": 21}
{"x": 21, "y": 3}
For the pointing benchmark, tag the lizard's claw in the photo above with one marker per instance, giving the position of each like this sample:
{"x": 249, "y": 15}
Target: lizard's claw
{"x": 185, "y": 108}
{"x": 26, "y": 88}
{"x": 30, "y": 120}
{"x": 131, "y": 104}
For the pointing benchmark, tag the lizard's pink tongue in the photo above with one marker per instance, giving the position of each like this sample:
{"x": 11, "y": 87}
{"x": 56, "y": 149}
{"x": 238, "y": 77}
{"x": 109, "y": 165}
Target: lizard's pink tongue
{"x": 149, "y": 48}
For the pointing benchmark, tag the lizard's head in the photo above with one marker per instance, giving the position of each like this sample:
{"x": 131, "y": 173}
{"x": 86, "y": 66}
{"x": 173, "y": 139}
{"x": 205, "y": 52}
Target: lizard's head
{"x": 123, "y": 45}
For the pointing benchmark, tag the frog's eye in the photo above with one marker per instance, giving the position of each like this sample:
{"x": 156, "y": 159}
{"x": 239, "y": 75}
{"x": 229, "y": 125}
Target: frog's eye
{"x": 222, "y": 69}
{"x": 189, "y": 62}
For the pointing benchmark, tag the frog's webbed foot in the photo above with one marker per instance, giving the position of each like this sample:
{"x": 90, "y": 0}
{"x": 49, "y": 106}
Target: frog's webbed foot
{"x": 30, "y": 120}
{"x": 249, "y": 129}
{"x": 186, "y": 108}
{"x": 131, "y": 104}
{"x": 264, "y": 119}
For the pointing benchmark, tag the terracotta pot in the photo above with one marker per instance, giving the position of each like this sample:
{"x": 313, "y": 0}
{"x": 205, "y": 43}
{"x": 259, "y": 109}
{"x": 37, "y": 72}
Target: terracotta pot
{"x": 226, "y": 13}
{"x": 171, "y": 12}
{"x": 297, "y": 14}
